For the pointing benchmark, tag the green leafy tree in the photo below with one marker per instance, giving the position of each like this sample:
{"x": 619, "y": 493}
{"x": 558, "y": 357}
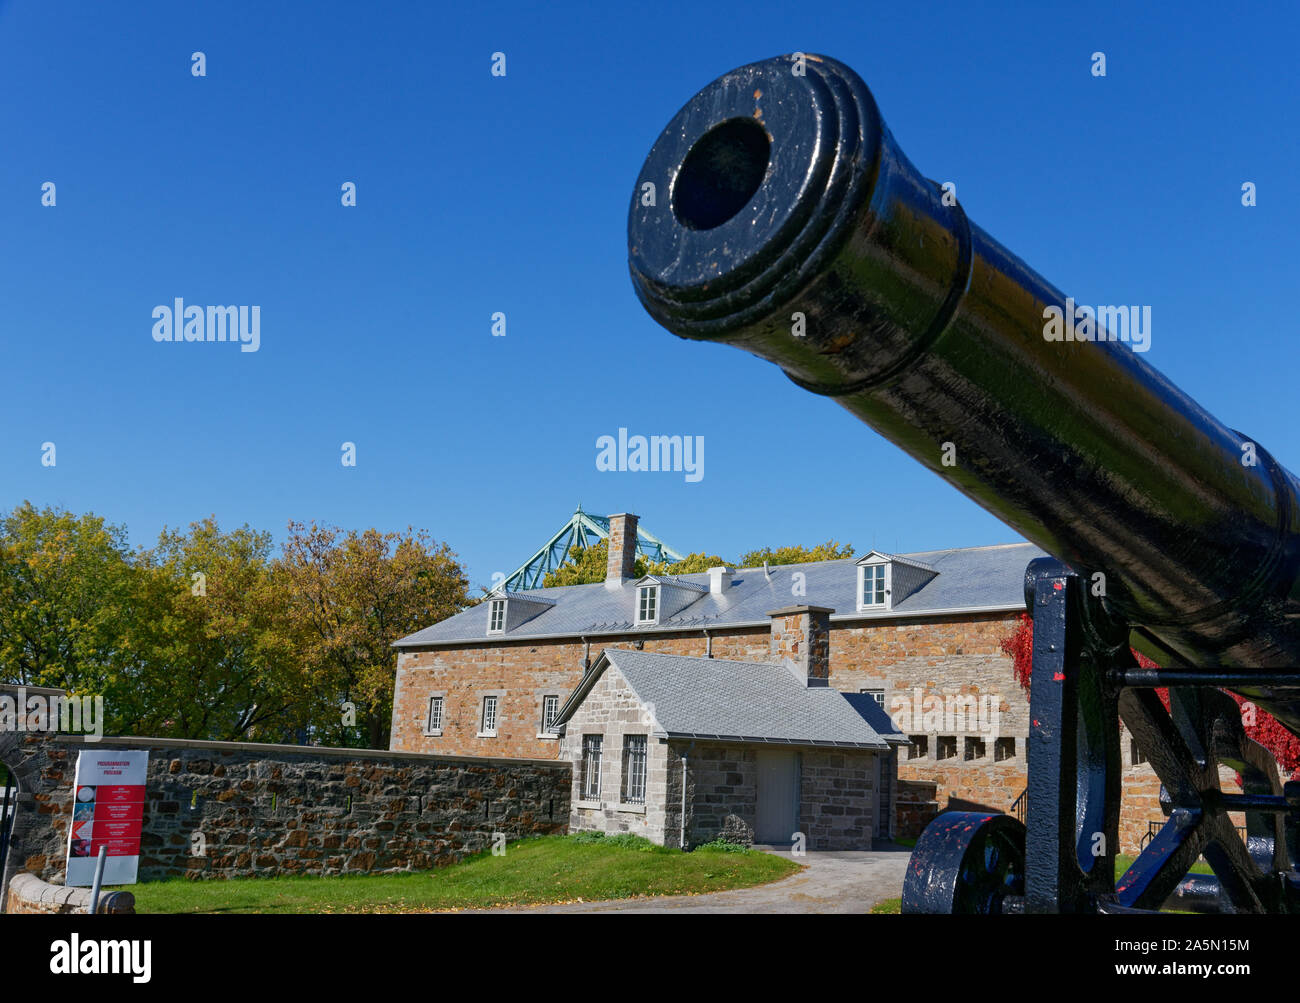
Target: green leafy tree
{"x": 209, "y": 652}
{"x": 586, "y": 566}
{"x": 828, "y": 551}
{"x": 351, "y": 595}
{"x": 689, "y": 565}
{"x": 65, "y": 588}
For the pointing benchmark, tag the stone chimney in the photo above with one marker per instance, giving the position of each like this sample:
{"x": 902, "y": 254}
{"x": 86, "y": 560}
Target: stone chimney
{"x": 622, "y": 549}
{"x": 803, "y": 635}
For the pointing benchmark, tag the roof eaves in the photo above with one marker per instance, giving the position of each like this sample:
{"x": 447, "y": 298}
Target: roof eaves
{"x": 893, "y": 614}
{"x": 763, "y": 740}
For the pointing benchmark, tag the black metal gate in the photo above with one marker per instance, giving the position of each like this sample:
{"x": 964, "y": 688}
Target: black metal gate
{"x": 8, "y": 809}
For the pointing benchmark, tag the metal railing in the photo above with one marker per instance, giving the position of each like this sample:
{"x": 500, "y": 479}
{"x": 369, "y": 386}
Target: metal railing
{"x": 1154, "y": 827}
{"x": 1019, "y": 805}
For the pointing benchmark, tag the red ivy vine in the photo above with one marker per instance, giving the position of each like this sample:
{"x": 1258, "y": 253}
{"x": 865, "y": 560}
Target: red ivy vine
{"x": 1264, "y": 729}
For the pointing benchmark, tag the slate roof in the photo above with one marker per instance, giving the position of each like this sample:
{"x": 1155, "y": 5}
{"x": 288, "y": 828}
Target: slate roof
{"x": 720, "y": 699}
{"x": 969, "y": 578}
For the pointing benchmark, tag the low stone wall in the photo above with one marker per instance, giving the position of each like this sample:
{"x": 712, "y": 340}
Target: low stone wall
{"x": 226, "y": 809}
{"x": 29, "y": 894}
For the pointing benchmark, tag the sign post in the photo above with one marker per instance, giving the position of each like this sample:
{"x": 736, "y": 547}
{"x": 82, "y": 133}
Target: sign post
{"x": 107, "y": 816}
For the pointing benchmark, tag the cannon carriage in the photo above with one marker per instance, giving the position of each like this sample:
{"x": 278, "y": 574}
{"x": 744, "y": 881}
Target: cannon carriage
{"x": 795, "y": 228}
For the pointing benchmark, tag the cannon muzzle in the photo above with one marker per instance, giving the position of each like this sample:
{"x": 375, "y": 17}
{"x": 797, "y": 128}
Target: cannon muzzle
{"x": 788, "y": 222}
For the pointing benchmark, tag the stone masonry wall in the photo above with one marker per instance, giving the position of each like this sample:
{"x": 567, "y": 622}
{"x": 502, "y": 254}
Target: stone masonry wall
{"x": 225, "y": 809}
{"x": 613, "y": 711}
{"x": 523, "y": 672}
{"x": 837, "y": 797}
{"x": 721, "y": 792}
{"x": 952, "y": 664}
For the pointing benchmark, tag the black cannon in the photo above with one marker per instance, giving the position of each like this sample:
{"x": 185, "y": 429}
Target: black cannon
{"x": 776, "y": 213}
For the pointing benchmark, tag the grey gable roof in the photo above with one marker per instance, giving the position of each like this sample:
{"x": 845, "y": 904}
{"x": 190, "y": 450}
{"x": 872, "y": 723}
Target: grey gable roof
{"x": 968, "y": 578}
{"x": 720, "y": 699}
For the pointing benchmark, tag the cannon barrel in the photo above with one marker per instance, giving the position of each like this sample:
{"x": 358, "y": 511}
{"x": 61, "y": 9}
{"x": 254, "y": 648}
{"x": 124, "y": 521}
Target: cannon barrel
{"x": 789, "y": 223}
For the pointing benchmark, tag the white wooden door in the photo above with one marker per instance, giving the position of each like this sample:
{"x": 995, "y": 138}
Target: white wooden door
{"x": 778, "y": 797}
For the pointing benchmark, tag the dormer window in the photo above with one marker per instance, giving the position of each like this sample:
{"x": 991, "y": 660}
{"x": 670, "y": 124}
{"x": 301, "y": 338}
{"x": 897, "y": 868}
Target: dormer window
{"x": 887, "y": 580}
{"x": 497, "y": 616}
{"x": 873, "y": 586}
{"x": 647, "y": 604}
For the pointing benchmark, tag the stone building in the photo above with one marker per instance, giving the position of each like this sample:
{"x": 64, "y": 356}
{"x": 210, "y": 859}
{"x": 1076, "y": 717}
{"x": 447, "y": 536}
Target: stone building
{"x": 918, "y": 633}
{"x": 684, "y": 750}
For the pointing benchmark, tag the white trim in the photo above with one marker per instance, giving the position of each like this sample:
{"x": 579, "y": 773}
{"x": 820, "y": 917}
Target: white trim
{"x": 428, "y": 713}
{"x": 864, "y": 606}
{"x": 492, "y": 616}
{"x": 484, "y": 731}
{"x": 656, "y": 594}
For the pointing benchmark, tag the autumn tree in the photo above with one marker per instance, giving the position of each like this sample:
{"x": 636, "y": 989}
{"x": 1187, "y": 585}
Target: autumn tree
{"x": 350, "y": 596}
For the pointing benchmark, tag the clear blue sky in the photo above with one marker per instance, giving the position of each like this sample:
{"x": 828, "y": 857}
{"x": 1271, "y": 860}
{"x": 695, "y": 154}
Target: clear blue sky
{"x": 479, "y": 194}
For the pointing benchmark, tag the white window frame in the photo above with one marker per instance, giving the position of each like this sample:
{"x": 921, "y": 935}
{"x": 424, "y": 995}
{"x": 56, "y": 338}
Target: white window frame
{"x": 547, "y": 729}
{"x": 483, "y": 730}
{"x": 429, "y": 727}
{"x": 496, "y": 616}
{"x": 642, "y": 593}
{"x": 877, "y": 694}
{"x": 888, "y": 574}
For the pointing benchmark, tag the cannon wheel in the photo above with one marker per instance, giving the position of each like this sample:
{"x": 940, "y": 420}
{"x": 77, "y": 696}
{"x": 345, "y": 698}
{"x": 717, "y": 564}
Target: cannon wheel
{"x": 966, "y": 862}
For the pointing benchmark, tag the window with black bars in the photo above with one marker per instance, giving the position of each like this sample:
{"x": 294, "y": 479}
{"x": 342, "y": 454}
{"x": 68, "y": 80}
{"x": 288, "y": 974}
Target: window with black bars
{"x": 591, "y": 767}
{"x": 634, "y": 755}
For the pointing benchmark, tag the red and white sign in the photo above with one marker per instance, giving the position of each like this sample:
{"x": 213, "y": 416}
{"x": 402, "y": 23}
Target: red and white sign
{"x": 108, "y": 811}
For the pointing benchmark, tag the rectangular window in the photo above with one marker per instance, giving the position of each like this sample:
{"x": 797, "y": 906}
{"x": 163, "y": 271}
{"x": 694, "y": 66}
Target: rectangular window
{"x": 975, "y": 748}
{"x": 497, "y": 616}
{"x": 920, "y": 747}
{"x": 877, "y": 695}
{"x": 873, "y": 585}
{"x": 435, "y": 714}
{"x": 1135, "y": 754}
{"x": 591, "y": 767}
{"x": 634, "y": 769}
{"x": 550, "y": 711}
{"x": 946, "y": 747}
{"x": 1004, "y": 749}
{"x": 489, "y": 716}
{"x": 647, "y": 604}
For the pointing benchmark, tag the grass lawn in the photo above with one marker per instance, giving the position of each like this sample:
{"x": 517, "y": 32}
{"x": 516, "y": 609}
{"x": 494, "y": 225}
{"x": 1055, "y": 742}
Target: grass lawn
{"x": 544, "y": 869}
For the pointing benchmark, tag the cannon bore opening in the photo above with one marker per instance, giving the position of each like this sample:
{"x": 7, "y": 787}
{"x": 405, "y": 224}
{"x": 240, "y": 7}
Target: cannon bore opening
{"x": 721, "y": 173}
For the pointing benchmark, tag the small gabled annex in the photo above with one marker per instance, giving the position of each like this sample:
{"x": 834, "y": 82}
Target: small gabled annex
{"x": 684, "y": 750}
